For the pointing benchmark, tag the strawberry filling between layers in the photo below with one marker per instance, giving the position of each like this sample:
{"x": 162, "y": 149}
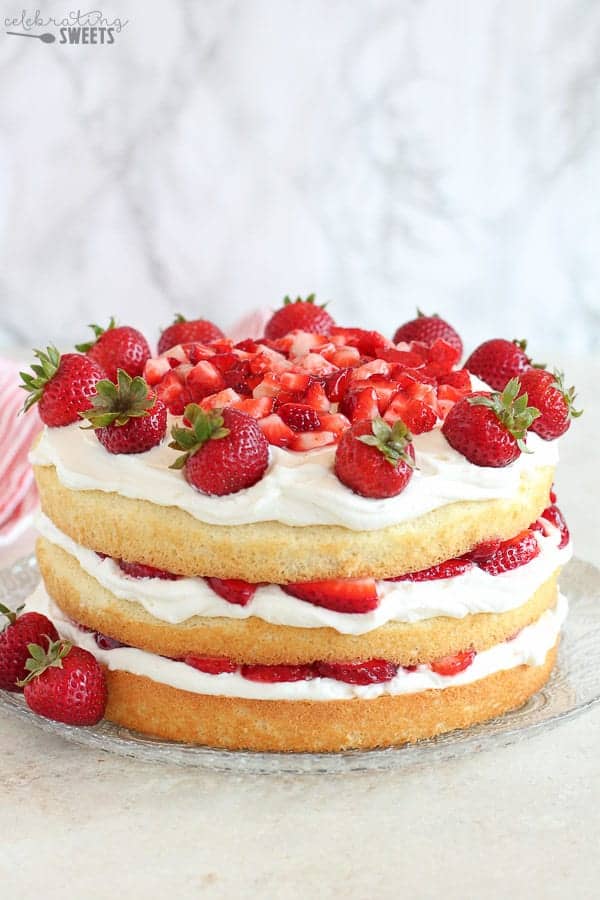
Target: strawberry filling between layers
{"x": 319, "y": 681}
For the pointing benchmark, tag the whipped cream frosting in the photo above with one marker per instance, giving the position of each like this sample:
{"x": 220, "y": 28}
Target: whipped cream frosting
{"x": 473, "y": 592}
{"x": 529, "y": 647}
{"x": 297, "y": 489}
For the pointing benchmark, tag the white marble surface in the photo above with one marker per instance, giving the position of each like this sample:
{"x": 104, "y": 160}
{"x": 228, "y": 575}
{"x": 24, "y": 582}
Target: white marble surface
{"x": 519, "y": 822}
{"x": 385, "y": 154}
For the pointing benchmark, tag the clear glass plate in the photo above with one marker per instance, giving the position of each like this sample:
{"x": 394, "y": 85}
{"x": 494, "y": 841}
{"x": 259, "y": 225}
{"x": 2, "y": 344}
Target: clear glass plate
{"x": 573, "y": 688}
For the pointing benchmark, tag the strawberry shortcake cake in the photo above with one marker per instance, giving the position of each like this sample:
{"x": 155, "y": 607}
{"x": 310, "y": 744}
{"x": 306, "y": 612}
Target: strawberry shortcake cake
{"x": 315, "y": 540}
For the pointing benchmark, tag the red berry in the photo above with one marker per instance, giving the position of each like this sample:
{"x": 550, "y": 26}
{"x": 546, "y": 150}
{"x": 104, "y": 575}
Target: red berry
{"x": 299, "y": 417}
{"x": 184, "y": 332}
{"x": 212, "y": 665}
{"x": 371, "y": 671}
{"x": 375, "y": 460}
{"x": 452, "y": 665}
{"x": 234, "y": 590}
{"x": 30, "y": 628}
{"x": 419, "y": 417}
{"x": 62, "y": 385}
{"x": 548, "y": 394}
{"x": 508, "y": 555}
{"x": 137, "y": 435}
{"x": 448, "y": 569}
{"x": 116, "y": 348}
{"x": 344, "y": 595}
{"x": 66, "y": 684}
{"x": 300, "y": 314}
{"x": 224, "y": 451}
{"x": 427, "y": 329}
{"x": 141, "y": 570}
{"x": 107, "y": 643}
{"x": 490, "y": 429}
{"x": 497, "y": 361}
{"x": 276, "y": 431}
{"x": 554, "y": 515}
{"x": 274, "y": 674}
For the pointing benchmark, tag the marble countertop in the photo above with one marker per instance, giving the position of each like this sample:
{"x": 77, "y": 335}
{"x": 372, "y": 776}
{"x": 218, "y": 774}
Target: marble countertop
{"x": 520, "y": 822}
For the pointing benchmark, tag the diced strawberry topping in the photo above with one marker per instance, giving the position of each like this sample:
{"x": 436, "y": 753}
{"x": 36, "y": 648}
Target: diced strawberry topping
{"x": 311, "y": 440}
{"x": 452, "y": 665}
{"x": 257, "y": 408}
{"x": 371, "y": 671}
{"x": 212, "y": 665}
{"x": 344, "y": 595}
{"x": 228, "y": 397}
{"x": 300, "y": 417}
{"x": 203, "y": 380}
{"x": 234, "y": 590}
{"x": 276, "y": 431}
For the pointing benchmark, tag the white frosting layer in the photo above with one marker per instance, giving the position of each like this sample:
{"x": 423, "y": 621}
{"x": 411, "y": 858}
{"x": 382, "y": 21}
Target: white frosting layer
{"x": 297, "y": 489}
{"x": 528, "y": 648}
{"x": 473, "y": 592}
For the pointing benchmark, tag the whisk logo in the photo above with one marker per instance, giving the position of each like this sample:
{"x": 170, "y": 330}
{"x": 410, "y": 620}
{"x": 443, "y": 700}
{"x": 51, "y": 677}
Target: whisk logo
{"x": 76, "y": 27}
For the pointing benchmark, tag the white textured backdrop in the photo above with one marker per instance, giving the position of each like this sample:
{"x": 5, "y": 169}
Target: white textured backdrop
{"x": 385, "y": 154}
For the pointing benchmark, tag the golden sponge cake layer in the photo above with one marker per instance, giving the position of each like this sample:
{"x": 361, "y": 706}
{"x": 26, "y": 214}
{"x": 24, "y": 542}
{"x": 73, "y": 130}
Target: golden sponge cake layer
{"x": 171, "y": 539}
{"x": 152, "y": 708}
{"x": 253, "y": 640}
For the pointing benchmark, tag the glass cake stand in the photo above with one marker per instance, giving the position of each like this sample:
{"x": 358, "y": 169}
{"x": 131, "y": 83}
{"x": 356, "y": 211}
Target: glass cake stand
{"x": 573, "y": 688}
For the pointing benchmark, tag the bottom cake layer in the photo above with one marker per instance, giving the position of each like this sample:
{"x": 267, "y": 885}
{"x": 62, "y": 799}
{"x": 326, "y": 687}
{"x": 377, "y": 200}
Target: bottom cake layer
{"x": 285, "y": 725}
{"x": 169, "y": 698}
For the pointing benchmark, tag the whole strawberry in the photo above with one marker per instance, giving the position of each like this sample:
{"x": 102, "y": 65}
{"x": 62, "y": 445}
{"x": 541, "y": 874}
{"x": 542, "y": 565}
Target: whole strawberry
{"x": 127, "y": 416}
{"x": 547, "y": 392}
{"x": 115, "y": 348}
{"x": 497, "y": 361}
{"x": 14, "y": 640}
{"x": 61, "y": 385}
{"x": 298, "y": 313}
{"x": 65, "y": 683}
{"x": 428, "y": 329}
{"x": 490, "y": 429}
{"x": 225, "y": 450}
{"x": 183, "y": 332}
{"x": 374, "y": 459}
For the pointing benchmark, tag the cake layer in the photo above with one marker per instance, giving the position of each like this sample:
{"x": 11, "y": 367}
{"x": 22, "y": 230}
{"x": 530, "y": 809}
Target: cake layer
{"x": 474, "y": 591}
{"x": 173, "y": 700}
{"x": 169, "y": 538}
{"x": 252, "y": 640}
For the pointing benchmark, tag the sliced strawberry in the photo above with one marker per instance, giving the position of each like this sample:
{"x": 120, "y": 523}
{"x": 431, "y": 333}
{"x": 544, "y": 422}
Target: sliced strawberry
{"x": 442, "y": 358}
{"x": 336, "y": 384}
{"x": 335, "y": 422}
{"x": 461, "y": 380}
{"x": 257, "y": 408}
{"x": 212, "y": 665}
{"x": 192, "y": 353}
{"x": 345, "y": 357}
{"x": 316, "y": 397}
{"x": 345, "y": 595}
{"x": 452, "y": 665}
{"x": 315, "y": 364}
{"x": 448, "y": 569}
{"x": 302, "y": 342}
{"x": 275, "y": 674}
{"x": 311, "y": 440}
{"x": 300, "y": 417}
{"x": 139, "y": 570}
{"x": 402, "y": 358}
{"x": 295, "y": 382}
{"x": 203, "y": 380}
{"x": 507, "y": 555}
{"x": 371, "y": 671}
{"x": 369, "y": 343}
{"x": 234, "y": 590}
{"x": 375, "y": 367}
{"x": 276, "y": 431}
{"x": 269, "y": 386}
{"x": 360, "y": 405}
{"x": 267, "y": 360}
{"x": 554, "y": 515}
{"x": 419, "y": 417}
{"x": 171, "y": 392}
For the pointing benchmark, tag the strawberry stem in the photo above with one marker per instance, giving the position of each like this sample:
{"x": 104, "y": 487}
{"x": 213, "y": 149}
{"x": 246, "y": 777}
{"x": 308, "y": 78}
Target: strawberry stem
{"x": 40, "y": 659}
{"x": 391, "y": 442}
{"x": 205, "y": 426}
{"x": 43, "y": 372}
{"x": 98, "y": 332}
{"x": 115, "y": 403}
{"x": 510, "y": 410}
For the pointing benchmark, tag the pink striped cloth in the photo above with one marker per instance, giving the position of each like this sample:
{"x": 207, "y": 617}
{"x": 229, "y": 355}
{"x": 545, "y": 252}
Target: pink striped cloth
{"x": 18, "y": 495}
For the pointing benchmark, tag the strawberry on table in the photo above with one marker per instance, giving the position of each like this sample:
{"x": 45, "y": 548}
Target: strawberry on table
{"x": 126, "y": 415}
{"x": 61, "y": 385}
{"x": 21, "y": 630}
{"x": 344, "y": 595}
{"x": 497, "y": 361}
{"x": 304, "y": 315}
{"x": 490, "y": 429}
{"x": 374, "y": 459}
{"x": 117, "y": 347}
{"x": 428, "y": 329}
{"x": 547, "y": 393}
{"x": 183, "y": 331}
{"x": 224, "y": 451}
{"x": 65, "y": 683}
